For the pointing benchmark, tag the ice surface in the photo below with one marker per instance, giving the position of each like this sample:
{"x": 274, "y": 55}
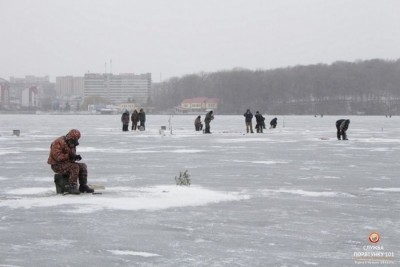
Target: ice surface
{"x": 292, "y": 196}
{"x": 117, "y": 198}
{"x": 133, "y": 253}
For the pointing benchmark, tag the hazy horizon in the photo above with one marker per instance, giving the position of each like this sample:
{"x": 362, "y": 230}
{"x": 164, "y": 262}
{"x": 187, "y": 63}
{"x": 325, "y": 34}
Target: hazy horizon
{"x": 168, "y": 39}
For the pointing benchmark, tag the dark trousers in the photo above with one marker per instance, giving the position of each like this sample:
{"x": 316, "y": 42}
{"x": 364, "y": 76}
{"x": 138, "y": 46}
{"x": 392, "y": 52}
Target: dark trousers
{"x": 198, "y": 127}
{"x": 207, "y": 130}
{"x": 125, "y": 127}
{"x": 341, "y": 133}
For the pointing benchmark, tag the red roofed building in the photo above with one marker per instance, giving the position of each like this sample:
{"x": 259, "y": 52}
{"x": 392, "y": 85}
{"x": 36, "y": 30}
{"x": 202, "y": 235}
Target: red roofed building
{"x": 197, "y": 104}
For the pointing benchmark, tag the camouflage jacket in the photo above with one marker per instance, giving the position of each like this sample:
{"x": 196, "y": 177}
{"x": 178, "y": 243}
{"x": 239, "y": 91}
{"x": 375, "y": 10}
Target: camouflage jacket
{"x": 60, "y": 152}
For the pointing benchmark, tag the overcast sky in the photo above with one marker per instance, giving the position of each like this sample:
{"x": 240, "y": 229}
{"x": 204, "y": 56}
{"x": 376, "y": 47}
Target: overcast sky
{"x": 176, "y": 37}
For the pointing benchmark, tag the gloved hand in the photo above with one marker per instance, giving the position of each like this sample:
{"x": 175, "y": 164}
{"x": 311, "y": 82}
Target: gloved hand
{"x": 78, "y": 157}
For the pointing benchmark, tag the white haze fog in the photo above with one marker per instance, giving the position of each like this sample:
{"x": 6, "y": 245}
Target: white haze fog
{"x": 292, "y": 196}
{"x": 173, "y": 38}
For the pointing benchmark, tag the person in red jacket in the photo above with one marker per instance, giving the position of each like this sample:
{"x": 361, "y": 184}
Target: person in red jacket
{"x": 63, "y": 159}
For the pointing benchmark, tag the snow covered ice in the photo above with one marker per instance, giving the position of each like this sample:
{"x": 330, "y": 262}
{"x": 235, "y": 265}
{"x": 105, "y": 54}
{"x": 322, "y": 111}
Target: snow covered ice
{"x": 292, "y": 196}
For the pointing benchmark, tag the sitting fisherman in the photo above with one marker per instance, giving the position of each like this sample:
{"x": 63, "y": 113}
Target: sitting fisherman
{"x": 63, "y": 160}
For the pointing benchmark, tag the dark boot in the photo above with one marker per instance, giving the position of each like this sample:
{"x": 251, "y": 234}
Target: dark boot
{"x": 84, "y": 188}
{"x": 73, "y": 190}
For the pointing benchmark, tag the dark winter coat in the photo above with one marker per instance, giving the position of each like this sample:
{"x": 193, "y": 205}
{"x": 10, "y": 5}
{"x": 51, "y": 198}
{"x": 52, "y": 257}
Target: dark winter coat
{"x": 209, "y": 117}
{"x": 260, "y": 120}
{"x": 197, "y": 122}
{"x": 142, "y": 116}
{"x": 342, "y": 125}
{"x": 134, "y": 117}
{"x": 125, "y": 118}
{"x": 273, "y": 122}
{"x": 248, "y": 116}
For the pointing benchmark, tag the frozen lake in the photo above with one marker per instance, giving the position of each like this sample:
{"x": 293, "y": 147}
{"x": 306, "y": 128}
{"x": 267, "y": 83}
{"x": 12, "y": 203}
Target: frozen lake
{"x": 292, "y": 196}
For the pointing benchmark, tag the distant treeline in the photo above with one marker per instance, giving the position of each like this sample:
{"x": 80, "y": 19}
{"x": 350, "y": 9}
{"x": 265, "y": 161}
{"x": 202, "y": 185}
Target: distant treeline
{"x": 369, "y": 87}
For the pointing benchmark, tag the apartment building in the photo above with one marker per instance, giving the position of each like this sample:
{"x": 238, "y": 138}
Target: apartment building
{"x": 21, "y": 94}
{"x": 125, "y": 87}
{"x": 67, "y": 86}
{"x": 4, "y": 94}
{"x": 29, "y": 97}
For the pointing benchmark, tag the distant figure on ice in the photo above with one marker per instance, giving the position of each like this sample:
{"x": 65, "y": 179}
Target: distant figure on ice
{"x": 125, "y": 120}
{"x": 342, "y": 126}
{"x": 248, "y": 120}
{"x": 63, "y": 160}
{"x": 273, "y": 123}
{"x": 209, "y": 117}
{"x": 142, "y": 120}
{"x": 260, "y": 122}
{"x": 197, "y": 124}
{"x": 134, "y": 119}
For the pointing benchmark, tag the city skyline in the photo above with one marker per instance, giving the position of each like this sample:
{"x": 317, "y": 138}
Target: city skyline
{"x": 167, "y": 39}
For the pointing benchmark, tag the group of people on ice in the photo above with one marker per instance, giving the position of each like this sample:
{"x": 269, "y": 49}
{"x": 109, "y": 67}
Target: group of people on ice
{"x": 260, "y": 122}
{"x": 341, "y": 125}
{"x": 134, "y": 118}
{"x": 198, "y": 126}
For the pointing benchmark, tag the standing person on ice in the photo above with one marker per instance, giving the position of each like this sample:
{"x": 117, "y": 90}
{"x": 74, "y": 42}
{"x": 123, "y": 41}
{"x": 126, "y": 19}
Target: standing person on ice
{"x": 341, "y": 127}
{"x": 248, "y": 120}
{"x": 125, "y": 120}
{"x": 142, "y": 120}
{"x": 209, "y": 117}
{"x": 134, "y": 119}
{"x": 260, "y": 122}
{"x": 63, "y": 159}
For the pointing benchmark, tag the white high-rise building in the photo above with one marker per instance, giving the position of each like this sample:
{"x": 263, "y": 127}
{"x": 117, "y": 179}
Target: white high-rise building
{"x": 29, "y": 97}
{"x": 69, "y": 86}
{"x": 120, "y": 88}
